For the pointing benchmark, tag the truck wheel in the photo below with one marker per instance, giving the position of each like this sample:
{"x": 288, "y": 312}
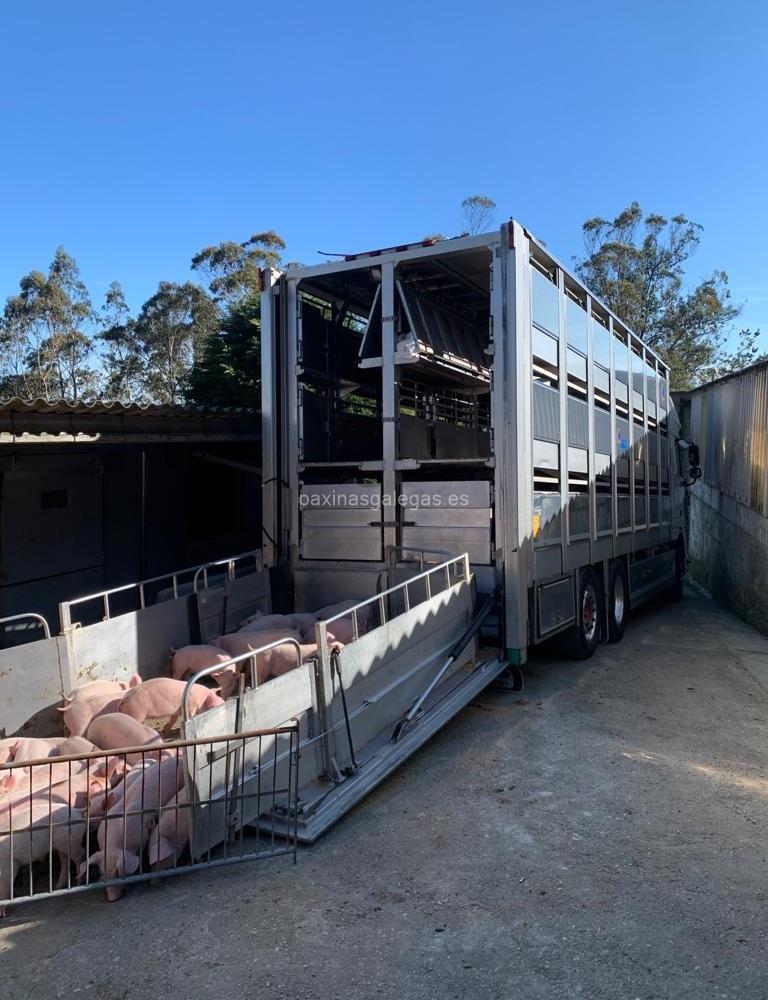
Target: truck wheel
{"x": 585, "y": 635}
{"x": 618, "y": 602}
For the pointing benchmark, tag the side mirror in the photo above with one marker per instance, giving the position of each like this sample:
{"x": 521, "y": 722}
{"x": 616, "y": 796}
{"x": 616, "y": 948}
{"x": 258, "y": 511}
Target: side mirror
{"x": 689, "y": 461}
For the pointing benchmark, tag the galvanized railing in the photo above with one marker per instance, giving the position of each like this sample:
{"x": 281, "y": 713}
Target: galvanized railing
{"x": 143, "y": 813}
{"x": 248, "y": 660}
{"x": 230, "y": 567}
{"x": 452, "y": 571}
{"x": 42, "y": 622}
{"x": 175, "y": 582}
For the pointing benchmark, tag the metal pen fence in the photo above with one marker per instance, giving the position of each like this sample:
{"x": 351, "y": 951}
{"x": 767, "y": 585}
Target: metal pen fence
{"x": 111, "y": 818}
{"x": 168, "y": 586}
{"x": 441, "y": 576}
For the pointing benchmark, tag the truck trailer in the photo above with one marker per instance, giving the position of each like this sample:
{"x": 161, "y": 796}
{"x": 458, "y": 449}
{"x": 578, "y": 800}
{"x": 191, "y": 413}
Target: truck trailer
{"x": 470, "y": 394}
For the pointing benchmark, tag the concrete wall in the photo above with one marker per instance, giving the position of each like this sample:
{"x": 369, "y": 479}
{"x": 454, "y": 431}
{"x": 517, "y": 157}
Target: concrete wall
{"x": 728, "y": 548}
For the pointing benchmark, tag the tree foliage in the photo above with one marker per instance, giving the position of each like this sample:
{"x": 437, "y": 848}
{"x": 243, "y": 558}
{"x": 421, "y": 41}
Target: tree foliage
{"x": 232, "y": 269}
{"x": 228, "y": 370}
{"x": 124, "y": 367}
{"x": 46, "y": 346}
{"x": 477, "y": 213}
{"x": 227, "y": 373}
{"x": 636, "y": 265}
{"x": 169, "y": 334}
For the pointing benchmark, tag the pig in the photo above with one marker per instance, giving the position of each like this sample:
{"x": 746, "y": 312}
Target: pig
{"x": 36, "y": 779}
{"x": 188, "y": 660}
{"x": 228, "y": 678}
{"x": 302, "y": 621}
{"x": 282, "y": 659}
{"x": 116, "y": 730}
{"x": 171, "y": 835}
{"x": 27, "y": 780}
{"x": 7, "y": 749}
{"x": 27, "y": 749}
{"x": 341, "y": 631}
{"x": 128, "y": 824}
{"x": 240, "y": 643}
{"x": 243, "y": 642}
{"x": 78, "y": 787}
{"x": 161, "y": 697}
{"x": 31, "y": 748}
{"x": 363, "y": 614}
{"x": 28, "y": 837}
{"x": 261, "y": 623}
{"x": 171, "y": 778}
{"x": 78, "y": 714}
{"x": 271, "y": 663}
{"x": 95, "y": 689}
{"x": 75, "y": 745}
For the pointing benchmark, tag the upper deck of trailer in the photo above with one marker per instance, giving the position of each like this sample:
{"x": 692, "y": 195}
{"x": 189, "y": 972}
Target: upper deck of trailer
{"x": 434, "y": 248}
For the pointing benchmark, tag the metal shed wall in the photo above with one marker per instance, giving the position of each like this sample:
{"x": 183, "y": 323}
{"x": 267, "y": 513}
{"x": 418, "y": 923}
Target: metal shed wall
{"x": 729, "y": 422}
{"x": 728, "y": 516}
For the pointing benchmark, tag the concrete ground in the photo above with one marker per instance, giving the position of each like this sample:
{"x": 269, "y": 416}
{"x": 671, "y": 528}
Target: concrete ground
{"x": 603, "y": 835}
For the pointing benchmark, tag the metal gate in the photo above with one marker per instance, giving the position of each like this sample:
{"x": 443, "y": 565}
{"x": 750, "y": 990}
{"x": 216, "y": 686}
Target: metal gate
{"x": 108, "y": 819}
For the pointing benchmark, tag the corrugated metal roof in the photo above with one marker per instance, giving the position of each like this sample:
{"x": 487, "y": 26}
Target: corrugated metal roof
{"x": 116, "y": 408}
{"x": 756, "y": 366}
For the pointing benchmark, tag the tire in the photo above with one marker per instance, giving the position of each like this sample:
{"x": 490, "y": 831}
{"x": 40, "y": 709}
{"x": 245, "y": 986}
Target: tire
{"x": 618, "y": 601}
{"x": 585, "y": 635}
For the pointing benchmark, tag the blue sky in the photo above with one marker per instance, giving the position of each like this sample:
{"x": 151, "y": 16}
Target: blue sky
{"x": 134, "y": 134}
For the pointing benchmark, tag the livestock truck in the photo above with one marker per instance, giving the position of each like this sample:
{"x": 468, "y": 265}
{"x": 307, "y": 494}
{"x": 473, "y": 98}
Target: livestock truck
{"x": 464, "y": 443}
{"x": 465, "y": 414}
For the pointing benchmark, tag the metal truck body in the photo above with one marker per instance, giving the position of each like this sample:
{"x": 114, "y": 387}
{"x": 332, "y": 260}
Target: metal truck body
{"x": 469, "y": 395}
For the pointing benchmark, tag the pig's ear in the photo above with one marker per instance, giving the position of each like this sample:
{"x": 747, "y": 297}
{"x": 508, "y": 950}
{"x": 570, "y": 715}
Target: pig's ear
{"x": 134, "y": 680}
{"x": 115, "y": 765}
{"x": 60, "y": 708}
{"x": 127, "y": 863}
{"x": 80, "y": 801}
{"x": 163, "y": 850}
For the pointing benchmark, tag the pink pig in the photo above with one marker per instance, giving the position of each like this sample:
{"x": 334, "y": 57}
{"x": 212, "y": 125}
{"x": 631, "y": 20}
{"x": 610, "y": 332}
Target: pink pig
{"x": 27, "y": 749}
{"x": 162, "y": 696}
{"x": 363, "y": 614}
{"x": 171, "y": 777}
{"x": 126, "y": 828}
{"x": 29, "y": 837}
{"x": 243, "y": 642}
{"x": 78, "y": 714}
{"x": 265, "y": 623}
{"x": 188, "y": 660}
{"x": 95, "y": 689}
{"x": 116, "y": 731}
{"x": 171, "y": 835}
